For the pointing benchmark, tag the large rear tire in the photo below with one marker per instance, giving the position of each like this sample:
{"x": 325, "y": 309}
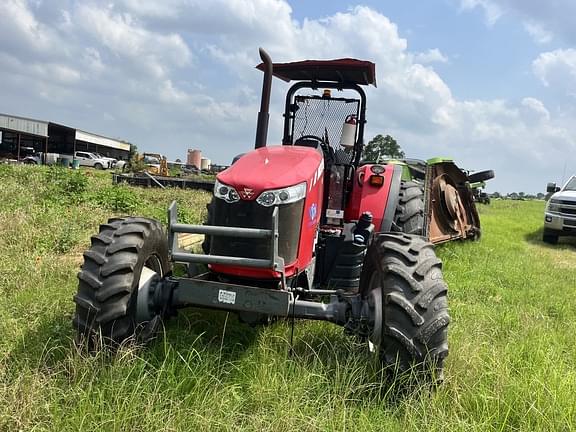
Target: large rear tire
{"x": 402, "y": 280}
{"x": 409, "y": 216}
{"x": 127, "y": 257}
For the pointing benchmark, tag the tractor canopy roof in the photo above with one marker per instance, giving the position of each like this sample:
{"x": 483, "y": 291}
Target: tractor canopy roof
{"x": 344, "y": 70}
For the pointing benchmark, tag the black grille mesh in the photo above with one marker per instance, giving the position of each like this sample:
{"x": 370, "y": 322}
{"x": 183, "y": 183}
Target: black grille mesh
{"x": 316, "y": 116}
{"x": 250, "y": 214}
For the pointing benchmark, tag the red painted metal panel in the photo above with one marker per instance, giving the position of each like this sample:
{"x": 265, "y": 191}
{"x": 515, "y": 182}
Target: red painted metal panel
{"x": 341, "y": 70}
{"x": 275, "y": 167}
{"x": 366, "y": 197}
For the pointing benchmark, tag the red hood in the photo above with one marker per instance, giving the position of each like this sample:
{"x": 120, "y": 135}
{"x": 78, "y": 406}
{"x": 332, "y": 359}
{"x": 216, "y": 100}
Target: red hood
{"x": 272, "y": 168}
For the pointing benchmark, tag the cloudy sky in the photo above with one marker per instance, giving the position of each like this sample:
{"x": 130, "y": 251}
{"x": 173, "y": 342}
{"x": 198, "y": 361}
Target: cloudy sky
{"x": 491, "y": 83}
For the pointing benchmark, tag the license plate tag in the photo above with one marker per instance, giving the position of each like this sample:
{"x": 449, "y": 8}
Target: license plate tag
{"x": 228, "y": 297}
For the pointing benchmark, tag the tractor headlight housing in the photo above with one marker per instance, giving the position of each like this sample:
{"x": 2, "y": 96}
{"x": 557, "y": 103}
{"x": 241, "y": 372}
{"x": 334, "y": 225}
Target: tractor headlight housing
{"x": 282, "y": 196}
{"x": 225, "y": 192}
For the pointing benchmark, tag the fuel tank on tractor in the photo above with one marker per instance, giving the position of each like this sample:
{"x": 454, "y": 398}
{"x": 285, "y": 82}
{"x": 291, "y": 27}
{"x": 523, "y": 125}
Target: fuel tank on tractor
{"x": 287, "y": 177}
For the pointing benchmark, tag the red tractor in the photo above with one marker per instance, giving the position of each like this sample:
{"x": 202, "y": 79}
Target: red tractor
{"x": 298, "y": 230}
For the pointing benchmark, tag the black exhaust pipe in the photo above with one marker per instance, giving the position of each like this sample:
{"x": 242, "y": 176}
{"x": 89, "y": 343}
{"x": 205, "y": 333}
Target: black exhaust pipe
{"x": 263, "y": 115}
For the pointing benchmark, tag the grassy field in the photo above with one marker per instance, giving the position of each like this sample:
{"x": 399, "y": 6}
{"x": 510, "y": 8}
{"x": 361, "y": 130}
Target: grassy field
{"x": 512, "y": 363}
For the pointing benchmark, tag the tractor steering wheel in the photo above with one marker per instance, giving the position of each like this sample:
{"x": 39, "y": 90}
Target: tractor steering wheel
{"x": 309, "y": 138}
{"x": 326, "y": 149}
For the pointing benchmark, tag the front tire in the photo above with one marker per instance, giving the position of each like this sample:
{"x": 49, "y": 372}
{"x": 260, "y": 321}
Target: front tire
{"x": 98, "y": 166}
{"x": 127, "y": 256}
{"x": 409, "y": 216}
{"x": 402, "y": 281}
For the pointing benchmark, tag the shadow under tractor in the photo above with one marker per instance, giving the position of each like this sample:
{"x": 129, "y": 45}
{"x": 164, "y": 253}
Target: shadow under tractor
{"x": 303, "y": 230}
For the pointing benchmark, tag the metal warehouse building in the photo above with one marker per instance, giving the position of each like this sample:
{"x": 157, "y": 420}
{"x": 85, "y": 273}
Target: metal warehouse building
{"x": 47, "y": 137}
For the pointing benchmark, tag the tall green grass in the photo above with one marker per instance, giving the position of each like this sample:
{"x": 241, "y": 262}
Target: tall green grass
{"x": 512, "y": 338}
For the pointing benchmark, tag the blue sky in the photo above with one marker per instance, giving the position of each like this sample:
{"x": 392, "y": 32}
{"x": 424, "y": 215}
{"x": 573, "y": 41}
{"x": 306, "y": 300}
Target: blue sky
{"x": 491, "y": 83}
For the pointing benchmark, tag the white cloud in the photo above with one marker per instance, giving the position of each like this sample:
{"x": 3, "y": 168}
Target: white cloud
{"x": 557, "y": 69}
{"x": 433, "y": 55}
{"x": 126, "y": 39}
{"x": 538, "y": 33}
{"x": 543, "y": 20}
{"x": 245, "y": 19}
{"x": 180, "y": 73}
{"x": 23, "y": 35}
{"x": 491, "y": 8}
{"x": 534, "y": 110}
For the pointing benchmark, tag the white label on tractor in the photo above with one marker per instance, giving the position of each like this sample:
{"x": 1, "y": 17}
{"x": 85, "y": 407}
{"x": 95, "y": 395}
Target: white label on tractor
{"x": 226, "y": 296}
{"x": 335, "y": 214}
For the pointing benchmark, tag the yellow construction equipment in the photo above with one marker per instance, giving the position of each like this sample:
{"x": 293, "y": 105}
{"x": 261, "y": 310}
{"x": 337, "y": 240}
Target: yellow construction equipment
{"x": 156, "y": 164}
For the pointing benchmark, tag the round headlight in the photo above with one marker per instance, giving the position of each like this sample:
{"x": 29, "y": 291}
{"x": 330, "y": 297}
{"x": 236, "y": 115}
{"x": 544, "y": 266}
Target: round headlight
{"x": 283, "y": 196}
{"x": 267, "y": 199}
{"x": 223, "y": 190}
{"x": 233, "y": 195}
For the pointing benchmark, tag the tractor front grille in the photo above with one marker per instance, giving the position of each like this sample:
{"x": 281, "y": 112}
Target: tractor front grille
{"x": 250, "y": 214}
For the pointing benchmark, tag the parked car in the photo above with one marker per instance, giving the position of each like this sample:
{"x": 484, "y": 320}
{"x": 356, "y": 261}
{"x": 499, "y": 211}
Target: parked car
{"x": 92, "y": 160}
{"x": 30, "y": 156}
{"x": 120, "y": 165}
{"x": 111, "y": 161}
{"x": 560, "y": 213}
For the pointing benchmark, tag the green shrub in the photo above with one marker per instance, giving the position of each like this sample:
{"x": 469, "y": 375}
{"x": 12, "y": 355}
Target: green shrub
{"x": 65, "y": 185}
{"x": 55, "y": 240}
{"x": 65, "y": 240}
{"x": 175, "y": 171}
{"x": 117, "y": 198}
{"x": 187, "y": 215}
{"x": 135, "y": 165}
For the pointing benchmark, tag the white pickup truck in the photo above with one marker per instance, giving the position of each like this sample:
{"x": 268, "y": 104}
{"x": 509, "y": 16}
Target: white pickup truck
{"x": 560, "y": 214}
{"x": 92, "y": 160}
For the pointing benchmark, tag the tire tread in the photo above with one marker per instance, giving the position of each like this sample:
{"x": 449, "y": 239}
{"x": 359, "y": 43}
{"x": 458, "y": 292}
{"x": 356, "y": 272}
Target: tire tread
{"x": 415, "y": 306}
{"x": 107, "y": 280}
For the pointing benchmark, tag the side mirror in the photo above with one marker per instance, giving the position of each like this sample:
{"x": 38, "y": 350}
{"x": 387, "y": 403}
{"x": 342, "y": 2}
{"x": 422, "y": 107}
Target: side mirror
{"x": 551, "y": 187}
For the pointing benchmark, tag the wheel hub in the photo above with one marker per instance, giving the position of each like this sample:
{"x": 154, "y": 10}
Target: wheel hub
{"x": 376, "y": 317}
{"x": 145, "y": 300}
